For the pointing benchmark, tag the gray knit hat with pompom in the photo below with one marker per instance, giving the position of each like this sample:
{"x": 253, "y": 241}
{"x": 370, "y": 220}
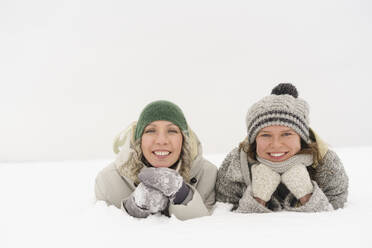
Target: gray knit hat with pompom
{"x": 282, "y": 108}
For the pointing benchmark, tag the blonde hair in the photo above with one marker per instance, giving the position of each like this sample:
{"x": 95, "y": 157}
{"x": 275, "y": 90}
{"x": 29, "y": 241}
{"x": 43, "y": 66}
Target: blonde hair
{"x": 132, "y": 167}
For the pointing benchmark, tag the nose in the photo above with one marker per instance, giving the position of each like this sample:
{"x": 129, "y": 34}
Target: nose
{"x": 162, "y": 138}
{"x": 276, "y": 142}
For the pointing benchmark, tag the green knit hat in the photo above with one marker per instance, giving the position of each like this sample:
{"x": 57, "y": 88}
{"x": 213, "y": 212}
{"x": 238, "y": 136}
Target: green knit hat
{"x": 160, "y": 110}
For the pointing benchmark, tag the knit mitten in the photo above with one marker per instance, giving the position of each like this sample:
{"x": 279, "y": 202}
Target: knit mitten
{"x": 167, "y": 181}
{"x": 145, "y": 201}
{"x": 264, "y": 181}
{"x": 297, "y": 180}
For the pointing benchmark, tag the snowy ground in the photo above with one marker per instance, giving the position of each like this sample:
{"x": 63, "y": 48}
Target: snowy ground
{"x": 51, "y": 204}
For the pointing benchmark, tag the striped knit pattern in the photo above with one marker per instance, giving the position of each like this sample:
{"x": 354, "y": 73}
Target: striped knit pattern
{"x": 281, "y": 110}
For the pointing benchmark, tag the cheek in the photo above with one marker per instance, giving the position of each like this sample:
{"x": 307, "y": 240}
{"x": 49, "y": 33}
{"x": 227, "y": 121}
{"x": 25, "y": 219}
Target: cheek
{"x": 260, "y": 148}
{"x": 145, "y": 144}
{"x": 295, "y": 145}
{"x": 177, "y": 145}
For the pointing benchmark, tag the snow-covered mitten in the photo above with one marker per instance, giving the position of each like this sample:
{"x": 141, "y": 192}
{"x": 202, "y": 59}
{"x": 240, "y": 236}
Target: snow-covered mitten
{"x": 297, "y": 180}
{"x": 166, "y": 180}
{"x": 145, "y": 201}
{"x": 264, "y": 181}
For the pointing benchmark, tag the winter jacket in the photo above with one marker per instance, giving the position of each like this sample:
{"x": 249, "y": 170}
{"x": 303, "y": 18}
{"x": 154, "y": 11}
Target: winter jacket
{"x": 328, "y": 178}
{"x": 114, "y": 188}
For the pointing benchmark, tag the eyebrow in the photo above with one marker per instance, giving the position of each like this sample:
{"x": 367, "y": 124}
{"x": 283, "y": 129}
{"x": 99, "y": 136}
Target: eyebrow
{"x": 287, "y": 130}
{"x": 153, "y": 125}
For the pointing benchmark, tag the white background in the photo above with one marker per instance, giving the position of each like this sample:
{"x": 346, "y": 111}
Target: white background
{"x": 74, "y": 73}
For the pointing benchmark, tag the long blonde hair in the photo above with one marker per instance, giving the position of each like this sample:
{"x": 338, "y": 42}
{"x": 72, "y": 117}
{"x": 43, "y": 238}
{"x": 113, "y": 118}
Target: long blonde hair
{"x": 132, "y": 167}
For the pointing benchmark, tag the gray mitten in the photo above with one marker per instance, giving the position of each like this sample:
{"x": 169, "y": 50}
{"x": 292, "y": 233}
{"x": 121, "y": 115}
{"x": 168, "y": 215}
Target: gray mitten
{"x": 145, "y": 201}
{"x": 297, "y": 180}
{"x": 166, "y": 180}
{"x": 264, "y": 181}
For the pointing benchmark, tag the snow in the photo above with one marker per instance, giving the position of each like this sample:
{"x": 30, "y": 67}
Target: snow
{"x": 51, "y": 204}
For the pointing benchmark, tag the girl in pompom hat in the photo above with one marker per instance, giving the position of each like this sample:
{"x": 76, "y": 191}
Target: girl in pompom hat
{"x": 159, "y": 168}
{"x": 282, "y": 164}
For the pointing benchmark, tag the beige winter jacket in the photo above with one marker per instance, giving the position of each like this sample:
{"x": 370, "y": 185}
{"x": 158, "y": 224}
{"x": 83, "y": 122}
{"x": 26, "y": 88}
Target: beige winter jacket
{"x": 114, "y": 188}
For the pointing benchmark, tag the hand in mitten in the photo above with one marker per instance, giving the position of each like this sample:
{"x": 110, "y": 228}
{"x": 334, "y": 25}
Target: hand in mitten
{"x": 264, "y": 182}
{"x": 297, "y": 180}
{"x": 145, "y": 201}
{"x": 166, "y": 180}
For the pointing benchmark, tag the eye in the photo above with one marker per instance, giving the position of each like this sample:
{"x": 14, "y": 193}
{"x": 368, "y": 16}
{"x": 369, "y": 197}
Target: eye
{"x": 172, "y": 131}
{"x": 287, "y": 134}
{"x": 265, "y": 135}
{"x": 150, "y": 130}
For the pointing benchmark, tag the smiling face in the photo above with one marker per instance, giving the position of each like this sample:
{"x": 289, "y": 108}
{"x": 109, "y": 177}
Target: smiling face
{"x": 277, "y": 143}
{"x": 161, "y": 143}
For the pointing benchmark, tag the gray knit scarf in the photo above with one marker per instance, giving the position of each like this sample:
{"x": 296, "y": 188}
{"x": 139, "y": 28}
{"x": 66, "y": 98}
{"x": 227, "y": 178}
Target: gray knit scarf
{"x": 281, "y": 167}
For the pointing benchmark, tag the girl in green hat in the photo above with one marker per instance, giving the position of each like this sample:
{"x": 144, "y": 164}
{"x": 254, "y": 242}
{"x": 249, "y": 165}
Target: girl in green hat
{"x": 159, "y": 168}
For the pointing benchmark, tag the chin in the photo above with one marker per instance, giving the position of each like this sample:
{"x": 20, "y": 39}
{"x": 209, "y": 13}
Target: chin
{"x": 161, "y": 166}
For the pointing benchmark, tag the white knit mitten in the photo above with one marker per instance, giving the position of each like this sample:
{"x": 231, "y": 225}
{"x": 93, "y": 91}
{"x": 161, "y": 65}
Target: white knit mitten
{"x": 264, "y": 181}
{"x": 297, "y": 180}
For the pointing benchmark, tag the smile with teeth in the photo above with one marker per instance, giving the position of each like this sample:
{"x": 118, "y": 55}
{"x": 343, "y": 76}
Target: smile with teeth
{"x": 161, "y": 153}
{"x": 277, "y": 154}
